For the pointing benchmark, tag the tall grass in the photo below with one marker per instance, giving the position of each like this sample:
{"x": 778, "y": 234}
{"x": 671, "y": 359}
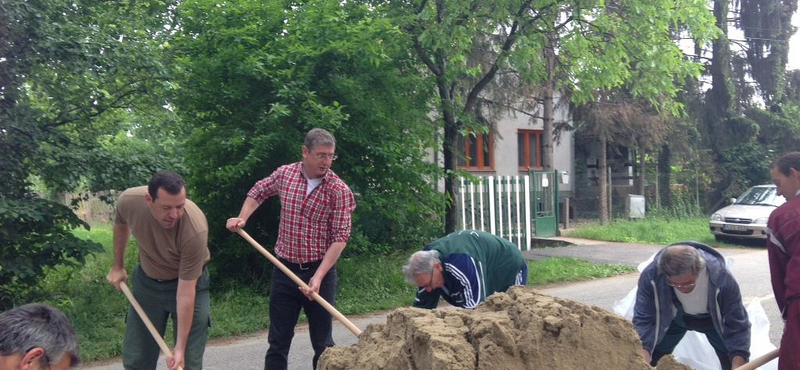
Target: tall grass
{"x": 659, "y": 230}
{"x": 373, "y": 283}
{"x": 651, "y": 230}
{"x": 96, "y": 309}
{"x": 563, "y": 269}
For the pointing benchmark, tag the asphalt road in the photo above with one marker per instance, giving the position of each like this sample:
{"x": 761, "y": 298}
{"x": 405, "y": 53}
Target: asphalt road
{"x": 749, "y": 266}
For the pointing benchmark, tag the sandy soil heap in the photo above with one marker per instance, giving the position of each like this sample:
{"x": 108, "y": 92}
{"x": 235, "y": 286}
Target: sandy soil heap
{"x": 522, "y": 329}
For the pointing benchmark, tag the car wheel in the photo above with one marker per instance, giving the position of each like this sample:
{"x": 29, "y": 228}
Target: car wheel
{"x": 721, "y": 238}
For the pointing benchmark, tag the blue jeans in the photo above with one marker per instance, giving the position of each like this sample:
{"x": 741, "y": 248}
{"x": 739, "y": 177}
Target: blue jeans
{"x": 285, "y": 302}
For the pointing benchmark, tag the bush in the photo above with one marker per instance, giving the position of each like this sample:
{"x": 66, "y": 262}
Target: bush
{"x": 36, "y": 234}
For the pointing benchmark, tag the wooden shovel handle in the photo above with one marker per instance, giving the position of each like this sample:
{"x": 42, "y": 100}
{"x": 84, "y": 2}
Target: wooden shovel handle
{"x": 333, "y": 311}
{"x": 146, "y": 320}
{"x": 769, "y": 356}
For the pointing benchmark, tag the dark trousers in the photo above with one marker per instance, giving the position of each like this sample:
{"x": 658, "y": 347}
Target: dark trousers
{"x": 285, "y": 302}
{"x": 789, "y": 355}
{"x": 677, "y": 329}
{"x": 157, "y": 298}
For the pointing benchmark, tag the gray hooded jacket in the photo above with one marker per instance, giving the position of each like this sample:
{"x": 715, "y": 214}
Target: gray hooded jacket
{"x": 653, "y": 311}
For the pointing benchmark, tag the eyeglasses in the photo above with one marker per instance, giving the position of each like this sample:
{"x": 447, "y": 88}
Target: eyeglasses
{"x": 681, "y": 286}
{"x": 323, "y": 156}
{"x": 430, "y": 282}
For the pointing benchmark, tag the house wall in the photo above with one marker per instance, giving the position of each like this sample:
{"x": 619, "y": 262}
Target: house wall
{"x": 506, "y": 151}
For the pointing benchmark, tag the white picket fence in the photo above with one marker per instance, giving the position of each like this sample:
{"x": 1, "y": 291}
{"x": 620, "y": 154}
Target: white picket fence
{"x": 500, "y": 205}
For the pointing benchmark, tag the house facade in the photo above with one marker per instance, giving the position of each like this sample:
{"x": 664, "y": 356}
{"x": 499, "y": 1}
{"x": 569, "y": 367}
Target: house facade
{"x": 514, "y": 148}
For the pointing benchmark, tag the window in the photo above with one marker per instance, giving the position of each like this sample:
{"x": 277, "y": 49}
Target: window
{"x": 478, "y": 152}
{"x": 529, "y": 149}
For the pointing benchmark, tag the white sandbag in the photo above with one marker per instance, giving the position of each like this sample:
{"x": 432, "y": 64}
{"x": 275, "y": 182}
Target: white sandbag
{"x": 695, "y": 351}
{"x": 759, "y": 334}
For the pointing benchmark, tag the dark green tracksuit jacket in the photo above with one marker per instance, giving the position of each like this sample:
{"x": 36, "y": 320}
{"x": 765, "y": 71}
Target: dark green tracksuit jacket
{"x": 475, "y": 264}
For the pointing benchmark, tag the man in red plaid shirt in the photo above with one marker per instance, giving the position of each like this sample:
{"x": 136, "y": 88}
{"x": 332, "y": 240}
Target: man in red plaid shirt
{"x": 315, "y": 225}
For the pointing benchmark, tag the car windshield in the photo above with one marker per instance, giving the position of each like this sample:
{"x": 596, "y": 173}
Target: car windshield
{"x": 761, "y": 195}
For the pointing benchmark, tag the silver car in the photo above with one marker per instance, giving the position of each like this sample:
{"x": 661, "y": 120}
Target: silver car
{"x": 747, "y": 217}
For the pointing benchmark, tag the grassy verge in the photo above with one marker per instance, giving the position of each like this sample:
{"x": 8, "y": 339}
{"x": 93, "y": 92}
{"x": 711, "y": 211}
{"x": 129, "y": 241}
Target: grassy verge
{"x": 373, "y": 283}
{"x": 366, "y": 284}
{"x": 651, "y": 231}
{"x": 563, "y": 269}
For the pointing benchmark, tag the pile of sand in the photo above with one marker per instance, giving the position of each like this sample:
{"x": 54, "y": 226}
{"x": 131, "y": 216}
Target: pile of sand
{"x": 522, "y": 329}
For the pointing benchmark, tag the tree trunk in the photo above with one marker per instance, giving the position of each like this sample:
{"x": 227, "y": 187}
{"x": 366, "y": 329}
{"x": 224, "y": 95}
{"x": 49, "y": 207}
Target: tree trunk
{"x": 603, "y": 199}
{"x": 642, "y": 178}
{"x": 450, "y": 147}
{"x": 664, "y": 171}
{"x": 610, "y": 189}
{"x": 658, "y": 189}
{"x": 720, "y": 99}
{"x": 719, "y": 133}
{"x": 696, "y": 188}
{"x": 548, "y": 111}
{"x": 722, "y": 90}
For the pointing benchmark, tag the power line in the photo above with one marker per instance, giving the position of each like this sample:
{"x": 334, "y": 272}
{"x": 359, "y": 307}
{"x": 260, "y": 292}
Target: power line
{"x": 762, "y": 29}
{"x": 760, "y": 38}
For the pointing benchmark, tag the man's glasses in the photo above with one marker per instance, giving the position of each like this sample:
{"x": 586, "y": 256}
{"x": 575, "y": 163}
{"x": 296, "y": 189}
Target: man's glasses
{"x": 681, "y": 286}
{"x": 323, "y": 156}
{"x": 430, "y": 282}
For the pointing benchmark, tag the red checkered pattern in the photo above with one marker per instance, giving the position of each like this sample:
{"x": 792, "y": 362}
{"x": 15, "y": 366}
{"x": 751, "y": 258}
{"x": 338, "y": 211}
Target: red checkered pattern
{"x": 309, "y": 225}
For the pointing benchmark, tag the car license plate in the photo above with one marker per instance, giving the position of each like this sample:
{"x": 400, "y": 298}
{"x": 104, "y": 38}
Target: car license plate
{"x": 734, "y": 227}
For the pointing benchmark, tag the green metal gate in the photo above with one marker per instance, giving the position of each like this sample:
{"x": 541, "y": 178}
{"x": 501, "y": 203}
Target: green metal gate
{"x": 545, "y": 202}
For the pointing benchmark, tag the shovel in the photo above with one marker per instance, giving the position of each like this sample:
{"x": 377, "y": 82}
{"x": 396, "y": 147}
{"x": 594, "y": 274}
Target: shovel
{"x": 332, "y": 310}
{"x": 143, "y": 316}
{"x": 759, "y": 361}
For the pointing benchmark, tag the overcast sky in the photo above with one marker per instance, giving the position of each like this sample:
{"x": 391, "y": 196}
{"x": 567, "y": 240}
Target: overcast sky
{"x": 794, "y": 46}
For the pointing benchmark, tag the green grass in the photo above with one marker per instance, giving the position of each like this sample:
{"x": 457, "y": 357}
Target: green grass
{"x": 96, "y": 309}
{"x": 373, "y": 283}
{"x": 563, "y": 269}
{"x": 651, "y": 231}
{"x": 367, "y": 283}
{"x": 238, "y": 310}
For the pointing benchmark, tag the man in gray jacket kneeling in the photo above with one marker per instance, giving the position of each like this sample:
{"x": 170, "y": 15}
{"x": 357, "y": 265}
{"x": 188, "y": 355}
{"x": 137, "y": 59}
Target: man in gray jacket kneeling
{"x": 688, "y": 287}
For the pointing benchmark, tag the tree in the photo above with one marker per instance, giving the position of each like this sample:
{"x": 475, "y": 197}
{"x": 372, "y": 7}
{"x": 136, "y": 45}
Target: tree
{"x": 66, "y": 66}
{"x": 259, "y": 75}
{"x": 599, "y": 45}
{"x": 767, "y": 26}
{"x": 727, "y": 123}
{"x": 618, "y": 119}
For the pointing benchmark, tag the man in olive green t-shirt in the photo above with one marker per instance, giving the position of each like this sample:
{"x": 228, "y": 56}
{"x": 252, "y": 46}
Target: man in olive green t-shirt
{"x": 171, "y": 279}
